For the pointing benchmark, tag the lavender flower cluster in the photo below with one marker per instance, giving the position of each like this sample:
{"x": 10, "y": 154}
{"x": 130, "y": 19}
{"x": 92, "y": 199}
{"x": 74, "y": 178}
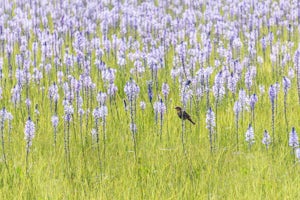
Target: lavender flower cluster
{"x": 217, "y": 56}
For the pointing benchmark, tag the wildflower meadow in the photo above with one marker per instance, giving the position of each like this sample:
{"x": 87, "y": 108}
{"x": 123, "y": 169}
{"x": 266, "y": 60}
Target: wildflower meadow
{"x": 88, "y": 91}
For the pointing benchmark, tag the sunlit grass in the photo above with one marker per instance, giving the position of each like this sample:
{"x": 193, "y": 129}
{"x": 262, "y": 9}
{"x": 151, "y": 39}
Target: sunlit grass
{"x": 162, "y": 167}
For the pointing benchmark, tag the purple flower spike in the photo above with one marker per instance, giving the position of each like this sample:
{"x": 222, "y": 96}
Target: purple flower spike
{"x": 159, "y": 107}
{"x": 210, "y": 119}
{"x": 250, "y": 135}
{"x": 253, "y": 100}
{"x": 29, "y": 133}
{"x": 293, "y": 140}
{"x": 165, "y": 90}
{"x": 131, "y": 89}
{"x": 266, "y": 139}
{"x": 143, "y": 105}
{"x": 286, "y": 84}
{"x": 150, "y": 94}
{"x": 272, "y": 93}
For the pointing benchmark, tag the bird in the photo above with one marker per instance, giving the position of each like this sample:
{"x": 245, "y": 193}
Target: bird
{"x": 183, "y": 115}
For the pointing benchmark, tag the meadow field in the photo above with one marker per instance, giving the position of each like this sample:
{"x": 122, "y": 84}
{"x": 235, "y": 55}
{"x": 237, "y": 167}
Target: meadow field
{"x": 88, "y": 91}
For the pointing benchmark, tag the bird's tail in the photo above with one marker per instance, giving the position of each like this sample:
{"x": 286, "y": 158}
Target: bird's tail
{"x": 191, "y": 121}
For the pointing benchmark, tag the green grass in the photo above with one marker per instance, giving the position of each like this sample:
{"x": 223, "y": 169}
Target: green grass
{"x": 161, "y": 170}
{"x": 163, "y": 167}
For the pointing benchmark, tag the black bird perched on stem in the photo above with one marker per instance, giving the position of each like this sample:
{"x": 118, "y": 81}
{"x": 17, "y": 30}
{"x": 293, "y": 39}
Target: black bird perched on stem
{"x": 183, "y": 115}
